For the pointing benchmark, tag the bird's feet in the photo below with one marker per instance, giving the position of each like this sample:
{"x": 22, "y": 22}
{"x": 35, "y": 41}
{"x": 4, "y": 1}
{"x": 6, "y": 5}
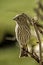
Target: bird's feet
{"x": 23, "y": 53}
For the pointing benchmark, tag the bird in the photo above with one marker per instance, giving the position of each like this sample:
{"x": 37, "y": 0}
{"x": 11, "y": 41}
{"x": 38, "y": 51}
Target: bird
{"x": 23, "y": 32}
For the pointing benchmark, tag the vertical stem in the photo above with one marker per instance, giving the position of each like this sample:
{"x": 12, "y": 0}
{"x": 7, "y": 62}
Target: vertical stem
{"x": 39, "y": 43}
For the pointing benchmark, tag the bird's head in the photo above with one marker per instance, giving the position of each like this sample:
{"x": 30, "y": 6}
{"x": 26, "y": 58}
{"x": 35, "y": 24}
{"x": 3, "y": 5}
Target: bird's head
{"x": 16, "y": 18}
{"x": 20, "y": 18}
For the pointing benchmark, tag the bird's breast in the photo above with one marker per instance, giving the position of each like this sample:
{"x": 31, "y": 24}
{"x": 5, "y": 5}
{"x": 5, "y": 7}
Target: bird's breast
{"x": 21, "y": 34}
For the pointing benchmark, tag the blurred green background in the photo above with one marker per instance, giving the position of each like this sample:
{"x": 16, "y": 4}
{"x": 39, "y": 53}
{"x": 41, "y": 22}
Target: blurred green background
{"x": 8, "y": 9}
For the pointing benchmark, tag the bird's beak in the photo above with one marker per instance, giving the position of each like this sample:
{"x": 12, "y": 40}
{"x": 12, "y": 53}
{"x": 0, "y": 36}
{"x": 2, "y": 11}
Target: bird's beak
{"x": 37, "y": 42}
{"x": 14, "y": 18}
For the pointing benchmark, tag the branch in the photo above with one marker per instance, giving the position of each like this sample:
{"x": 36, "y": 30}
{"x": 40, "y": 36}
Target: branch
{"x": 40, "y": 5}
{"x": 40, "y": 30}
{"x": 38, "y": 13}
{"x": 39, "y": 25}
{"x": 34, "y": 24}
{"x": 34, "y": 56}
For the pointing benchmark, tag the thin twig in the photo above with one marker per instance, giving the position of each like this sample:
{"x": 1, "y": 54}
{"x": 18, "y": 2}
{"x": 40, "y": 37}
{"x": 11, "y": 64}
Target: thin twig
{"x": 39, "y": 25}
{"x": 40, "y": 30}
{"x": 39, "y": 42}
{"x": 38, "y": 13}
{"x": 40, "y": 5}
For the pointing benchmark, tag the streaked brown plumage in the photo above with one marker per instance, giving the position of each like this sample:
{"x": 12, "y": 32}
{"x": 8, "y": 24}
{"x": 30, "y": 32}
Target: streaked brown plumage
{"x": 22, "y": 32}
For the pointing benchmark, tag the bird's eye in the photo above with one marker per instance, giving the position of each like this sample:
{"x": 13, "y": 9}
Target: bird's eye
{"x": 18, "y": 18}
